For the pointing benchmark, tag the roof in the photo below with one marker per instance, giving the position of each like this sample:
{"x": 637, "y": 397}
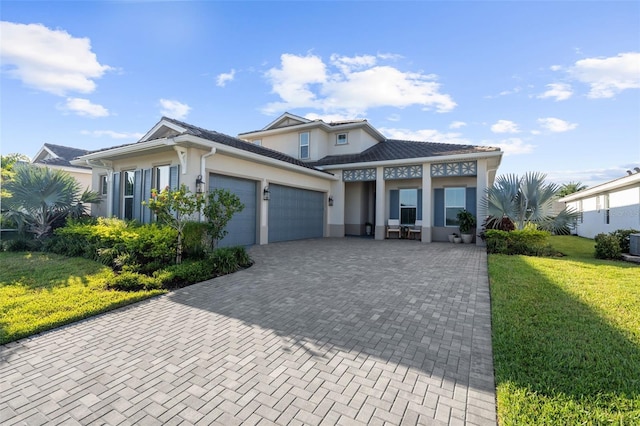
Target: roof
{"x": 58, "y": 155}
{"x": 394, "y": 149}
{"x": 237, "y": 143}
{"x": 632, "y": 179}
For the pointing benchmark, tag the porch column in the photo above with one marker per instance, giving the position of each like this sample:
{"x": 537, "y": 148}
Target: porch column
{"x": 335, "y": 214}
{"x": 264, "y": 214}
{"x": 381, "y": 194}
{"x": 427, "y": 205}
{"x": 482, "y": 182}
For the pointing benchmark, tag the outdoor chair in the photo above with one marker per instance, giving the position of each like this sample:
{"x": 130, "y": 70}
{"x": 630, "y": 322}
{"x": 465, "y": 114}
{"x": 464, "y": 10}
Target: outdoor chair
{"x": 393, "y": 225}
{"x": 416, "y": 230}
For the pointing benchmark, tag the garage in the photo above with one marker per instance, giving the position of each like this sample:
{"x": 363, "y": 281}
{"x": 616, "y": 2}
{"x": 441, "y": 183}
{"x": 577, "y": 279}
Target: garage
{"x": 295, "y": 214}
{"x": 242, "y": 226}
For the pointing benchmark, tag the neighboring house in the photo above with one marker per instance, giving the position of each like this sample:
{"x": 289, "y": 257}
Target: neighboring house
{"x": 59, "y": 157}
{"x": 300, "y": 178}
{"x": 607, "y": 207}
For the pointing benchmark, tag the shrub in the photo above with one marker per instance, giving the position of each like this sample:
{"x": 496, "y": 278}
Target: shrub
{"x": 133, "y": 281}
{"x": 623, "y": 238}
{"x": 530, "y": 242}
{"x": 195, "y": 241}
{"x": 607, "y": 246}
{"x": 187, "y": 272}
{"x": 22, "y": 243}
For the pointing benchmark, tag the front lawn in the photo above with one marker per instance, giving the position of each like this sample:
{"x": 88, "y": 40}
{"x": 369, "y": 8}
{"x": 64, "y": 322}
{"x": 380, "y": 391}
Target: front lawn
{"x": 40, "y": 291}
{"x": 566, "y": 337}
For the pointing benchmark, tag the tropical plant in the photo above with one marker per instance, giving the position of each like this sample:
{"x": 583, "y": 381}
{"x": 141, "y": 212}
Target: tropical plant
{"x": 467, "y": 221}
{"x": 41, "y": 199}
{"x": 570, "y": 188}
{"x": 219, "y": 208}
{"x": 175, "y": 208}
{"x": 527, "y": 200}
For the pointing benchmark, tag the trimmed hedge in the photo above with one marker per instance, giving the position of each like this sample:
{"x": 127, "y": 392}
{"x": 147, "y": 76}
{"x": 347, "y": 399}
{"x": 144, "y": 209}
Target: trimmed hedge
{"x": 530, "y": 242}
{"x": 607, "y": 247}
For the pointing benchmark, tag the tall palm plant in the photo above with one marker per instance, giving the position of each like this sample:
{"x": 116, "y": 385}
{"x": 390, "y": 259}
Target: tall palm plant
{"x": 527, "y": 200}
{"x": 41, "y": 198}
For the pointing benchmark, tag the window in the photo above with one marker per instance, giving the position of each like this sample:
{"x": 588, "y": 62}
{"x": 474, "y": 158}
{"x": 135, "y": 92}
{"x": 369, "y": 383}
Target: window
{"x": 408, "y": 206}
{"x": 304, "y": 145}
{"x": 103, "y": 185}
{"x": 607, "y": 216}
{"x": 454, "y": 201}
{"x": 127, "y": 194}
{"x": 581, "y": 211}
{"x": 257, "y": 142}
{"x": 341, "y": 139}
{"x": 160, "y": 178}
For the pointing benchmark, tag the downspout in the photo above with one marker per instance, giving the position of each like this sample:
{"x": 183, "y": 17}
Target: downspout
{"x": 203, "y": 162}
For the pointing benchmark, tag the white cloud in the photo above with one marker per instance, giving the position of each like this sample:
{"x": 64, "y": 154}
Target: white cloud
{"x": 512, "y": 146}
{"x": 393, "y": 117}
{"x": 559, "y": 91}
{"x": 555, "y": 67}
{"x": 556, "y": 125}
{"x": 424, "y": 135}
{"x": 457, "y": 124}
{"x": 350, "y": 86}
{"x": 85, "y": 108}
{"x": 224, "y": 78}
{"x": 608, "y": 76}
{"x": 174, "y": 109}
{"x": 112, "y": 134}
{"x": 49, "y": 60}
{"x": 505, "y": 126}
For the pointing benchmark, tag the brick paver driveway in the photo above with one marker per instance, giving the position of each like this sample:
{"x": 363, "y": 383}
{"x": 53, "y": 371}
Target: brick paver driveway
{"x": 332, "y": 331}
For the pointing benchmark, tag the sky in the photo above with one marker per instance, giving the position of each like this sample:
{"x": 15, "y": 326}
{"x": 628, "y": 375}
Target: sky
{"x": 555, "y": 85}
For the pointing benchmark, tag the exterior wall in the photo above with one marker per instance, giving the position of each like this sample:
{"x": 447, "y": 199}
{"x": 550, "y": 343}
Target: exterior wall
{"x": 624, "y": 212}
{"x": 356, "y": 214}
{"x": 357, "y": 141}
{"x": 441, "y": 233}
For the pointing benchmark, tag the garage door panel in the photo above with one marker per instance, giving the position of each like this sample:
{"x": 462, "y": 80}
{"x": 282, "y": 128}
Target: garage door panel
{"x": 242, "y": 226}
{"x": 295, "y": 214}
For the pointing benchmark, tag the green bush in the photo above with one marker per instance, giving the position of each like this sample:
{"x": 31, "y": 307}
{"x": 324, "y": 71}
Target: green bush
{"x": 187, "y": 272}
{"x": 530, "y": 242}
{"x": 134, "y": 281}
{"x": 194, "y": 240}
{"x": 623, "y": 238}
{"x": 607, "y": 246}
{"x": 21, "y": 243}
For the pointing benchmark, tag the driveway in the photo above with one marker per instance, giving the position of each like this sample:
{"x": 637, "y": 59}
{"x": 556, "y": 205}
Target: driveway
{"x": 330, "y": 331}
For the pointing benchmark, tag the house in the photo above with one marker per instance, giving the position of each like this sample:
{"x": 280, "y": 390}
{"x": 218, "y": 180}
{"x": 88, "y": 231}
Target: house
{"x": 300, "y": 178}
{"x": 607, "y": 207}
{"x": 59, "y": 157}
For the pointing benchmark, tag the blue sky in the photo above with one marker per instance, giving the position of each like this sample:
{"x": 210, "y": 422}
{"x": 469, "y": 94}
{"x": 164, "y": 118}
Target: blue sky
{"x": 556, "y": 85}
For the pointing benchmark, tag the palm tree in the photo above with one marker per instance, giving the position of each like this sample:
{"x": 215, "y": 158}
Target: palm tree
{"x": 570, "y": 188}
{"x": 42, "y": 198}
{"x": 527, "y": 200}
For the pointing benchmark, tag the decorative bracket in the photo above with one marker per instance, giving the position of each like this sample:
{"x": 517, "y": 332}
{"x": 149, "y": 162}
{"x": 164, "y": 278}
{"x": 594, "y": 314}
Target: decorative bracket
{"x": 182, "y": 157}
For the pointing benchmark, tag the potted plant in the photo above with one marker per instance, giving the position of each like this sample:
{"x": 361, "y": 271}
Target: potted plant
{"x": 467, "y": 224}
{"x": 457, "y": 239}
{"x": 452, "y": 236}
{"x": 368, "y": 228}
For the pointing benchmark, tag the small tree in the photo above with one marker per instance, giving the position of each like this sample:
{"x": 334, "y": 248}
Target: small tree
{"x": 570, "y": 188}
{"x": 219, "y": 208}
{"x": 175, "y": 208}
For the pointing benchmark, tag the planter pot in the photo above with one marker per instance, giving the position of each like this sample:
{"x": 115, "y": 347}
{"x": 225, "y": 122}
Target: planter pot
{"x": 368, "y": 229}
{"x": 457, "y": 240}
{"x": 467, "y": 238}
{"x": 451, "y": 236}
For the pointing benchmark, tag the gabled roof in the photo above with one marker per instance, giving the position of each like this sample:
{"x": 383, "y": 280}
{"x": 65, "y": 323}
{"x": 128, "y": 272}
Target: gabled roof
{"x": 393, "y": 149}
{"x": 58, "y": 155}
{"x": 286, "y": 117}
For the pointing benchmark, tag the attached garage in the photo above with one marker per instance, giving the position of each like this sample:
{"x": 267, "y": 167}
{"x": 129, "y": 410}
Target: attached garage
{"x": 242, "y": 227}
{"x": 295, "y": 214}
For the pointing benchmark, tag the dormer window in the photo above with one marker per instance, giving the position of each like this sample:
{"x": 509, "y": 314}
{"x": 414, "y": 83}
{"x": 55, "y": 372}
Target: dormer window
{"x": 341, "y": 139}
{"x": 304, "y": 145}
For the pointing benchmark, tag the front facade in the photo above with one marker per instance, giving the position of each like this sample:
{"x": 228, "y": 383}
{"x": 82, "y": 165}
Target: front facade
{"x": 607, "y": 207}
{"x": 300, "y": 178}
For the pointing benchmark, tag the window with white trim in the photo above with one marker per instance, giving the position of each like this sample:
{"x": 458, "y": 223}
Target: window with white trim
{"x": 128, "y": 178}
{"x": 454, "y": 201}
{"x": 161, "y": 178}
{"x": 304, "y": 145}
{"x": 607, "y": 212}
{"x": 408, "y": 206}
{"x": 104, "y": 187}
{"x": 341, "y": 139}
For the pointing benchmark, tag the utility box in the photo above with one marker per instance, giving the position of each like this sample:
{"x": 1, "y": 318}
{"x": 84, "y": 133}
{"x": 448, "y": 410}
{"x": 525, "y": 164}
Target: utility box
{"x": 634, "y": 244}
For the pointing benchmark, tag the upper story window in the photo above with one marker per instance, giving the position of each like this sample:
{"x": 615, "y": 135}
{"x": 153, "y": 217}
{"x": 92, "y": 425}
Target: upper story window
{"x": 454, "y": 201}
{"x": 341, "y": 139}
{"x": 304, "y": 145}
{"x": 104, "y": 188}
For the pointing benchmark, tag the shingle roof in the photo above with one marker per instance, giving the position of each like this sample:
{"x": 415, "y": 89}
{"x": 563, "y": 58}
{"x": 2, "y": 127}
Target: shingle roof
{"x": 65, "y": 155}
{"x": 238, "y": 143}
{"x": 393, "y": 149}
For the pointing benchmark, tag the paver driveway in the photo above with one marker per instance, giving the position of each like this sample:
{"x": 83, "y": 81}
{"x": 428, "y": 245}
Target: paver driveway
{"x": 332, "y": 331}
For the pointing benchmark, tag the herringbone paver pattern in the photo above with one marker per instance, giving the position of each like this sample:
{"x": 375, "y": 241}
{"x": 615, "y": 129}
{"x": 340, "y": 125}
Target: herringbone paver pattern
{"x": 332, "y": 331}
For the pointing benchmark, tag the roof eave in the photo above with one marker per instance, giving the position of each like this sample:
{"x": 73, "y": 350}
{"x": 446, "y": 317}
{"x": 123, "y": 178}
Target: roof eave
{"x": 619, "y": 183}
{"x": 414, "y": 160}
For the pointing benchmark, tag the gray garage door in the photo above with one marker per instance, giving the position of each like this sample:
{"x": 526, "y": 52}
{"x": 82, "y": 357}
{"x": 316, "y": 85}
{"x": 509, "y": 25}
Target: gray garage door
{"x": 242, "y": 226}
{"x": 295, "y": 214}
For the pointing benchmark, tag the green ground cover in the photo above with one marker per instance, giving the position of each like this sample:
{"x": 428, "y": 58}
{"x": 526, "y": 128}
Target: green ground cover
{"x": 40, "y": 291}
{"x": 566, "y": 337}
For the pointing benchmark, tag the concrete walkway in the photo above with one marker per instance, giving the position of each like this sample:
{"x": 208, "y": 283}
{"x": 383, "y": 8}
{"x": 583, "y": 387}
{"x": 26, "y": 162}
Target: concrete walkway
{"x": 333, "y": 331}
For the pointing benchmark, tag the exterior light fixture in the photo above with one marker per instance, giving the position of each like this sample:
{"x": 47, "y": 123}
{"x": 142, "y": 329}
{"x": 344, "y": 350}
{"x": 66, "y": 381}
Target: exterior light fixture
{"x": 266, "y": 195}
{"x": 330, "y": 200}
{"x": 199, "y": 185}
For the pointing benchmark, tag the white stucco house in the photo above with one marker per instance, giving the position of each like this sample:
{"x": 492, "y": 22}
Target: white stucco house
{"x": 607, "y": 207}
{"x": 300, "y": 178}
{"x": 59, "y": 157}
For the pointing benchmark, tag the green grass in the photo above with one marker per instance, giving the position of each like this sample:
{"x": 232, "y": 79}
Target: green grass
{"x": 40, "y": 291}
{"x": 566, "y": 337}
